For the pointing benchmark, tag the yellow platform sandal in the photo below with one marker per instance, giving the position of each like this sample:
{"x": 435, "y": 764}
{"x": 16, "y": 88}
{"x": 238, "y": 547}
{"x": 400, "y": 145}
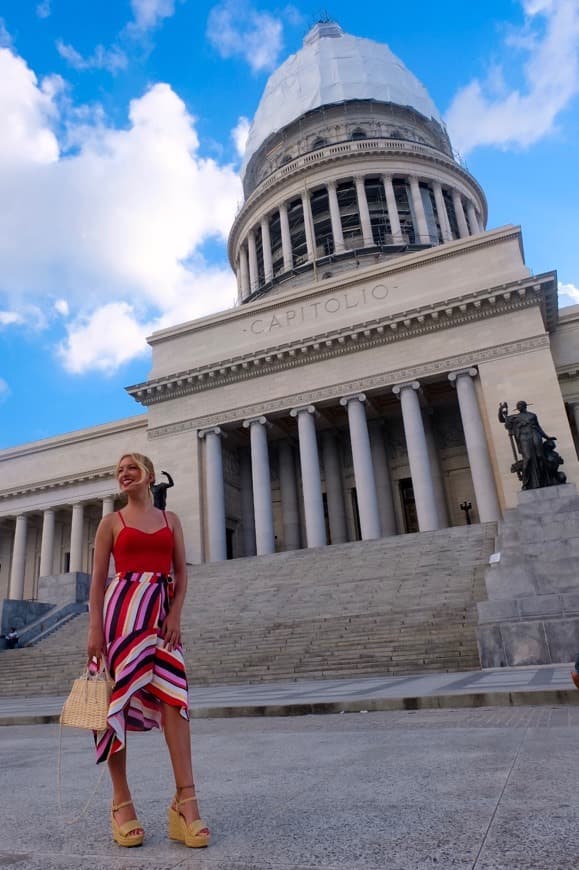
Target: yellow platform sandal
{"x": 122, "y": 832}
{"x": 195, "y": 834}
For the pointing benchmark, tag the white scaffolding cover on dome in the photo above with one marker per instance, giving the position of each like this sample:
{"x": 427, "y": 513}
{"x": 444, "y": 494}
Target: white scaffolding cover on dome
{"x": 333, "y": 67}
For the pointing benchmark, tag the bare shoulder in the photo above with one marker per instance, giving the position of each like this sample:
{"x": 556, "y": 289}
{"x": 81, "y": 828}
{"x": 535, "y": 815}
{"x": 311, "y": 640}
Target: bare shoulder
{"x": 107, "y": 526}
{"x": 173, "y": 520}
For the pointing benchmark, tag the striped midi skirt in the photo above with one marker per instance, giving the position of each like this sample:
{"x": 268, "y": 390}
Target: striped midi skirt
{"x": 145, "y": 674}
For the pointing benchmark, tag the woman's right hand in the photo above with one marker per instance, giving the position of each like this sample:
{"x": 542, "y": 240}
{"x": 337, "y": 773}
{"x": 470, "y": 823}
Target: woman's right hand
{"x": 96, "y": 643}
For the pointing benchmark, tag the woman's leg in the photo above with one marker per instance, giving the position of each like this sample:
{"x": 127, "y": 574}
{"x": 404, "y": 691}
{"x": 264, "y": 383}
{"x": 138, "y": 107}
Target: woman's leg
{"x": 179, "y": 744}
{"x": 118, "y": 770}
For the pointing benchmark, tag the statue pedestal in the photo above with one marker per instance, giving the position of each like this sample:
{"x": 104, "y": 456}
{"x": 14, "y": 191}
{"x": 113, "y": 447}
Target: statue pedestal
{"x": 531, "y": 616}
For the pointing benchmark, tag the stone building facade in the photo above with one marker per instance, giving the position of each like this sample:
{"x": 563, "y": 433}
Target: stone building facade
{"x": 352, "y": 392}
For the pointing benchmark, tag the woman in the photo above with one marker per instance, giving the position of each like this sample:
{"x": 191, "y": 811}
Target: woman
{"x": 135, "y": 625}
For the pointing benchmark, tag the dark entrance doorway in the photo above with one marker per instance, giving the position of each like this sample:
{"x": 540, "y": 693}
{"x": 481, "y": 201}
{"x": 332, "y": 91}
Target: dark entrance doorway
{"x": 408, "y": 505}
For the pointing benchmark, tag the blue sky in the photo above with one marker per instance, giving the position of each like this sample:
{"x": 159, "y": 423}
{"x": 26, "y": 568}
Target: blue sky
{"x": 123, "y": 124}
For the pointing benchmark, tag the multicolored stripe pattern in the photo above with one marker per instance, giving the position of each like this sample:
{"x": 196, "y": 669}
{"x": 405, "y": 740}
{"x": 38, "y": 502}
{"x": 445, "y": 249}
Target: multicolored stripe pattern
{"x": 145, "y": 673}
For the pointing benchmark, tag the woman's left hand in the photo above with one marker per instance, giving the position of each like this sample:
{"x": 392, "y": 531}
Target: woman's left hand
{"x": 171, "y": 630}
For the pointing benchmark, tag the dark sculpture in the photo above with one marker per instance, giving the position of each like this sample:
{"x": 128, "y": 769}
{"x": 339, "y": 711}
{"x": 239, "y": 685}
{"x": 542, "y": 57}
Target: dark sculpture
{"x": 159, "y": 491}
{"x": 466, "y": 506}
{"x": 536, "y": 460}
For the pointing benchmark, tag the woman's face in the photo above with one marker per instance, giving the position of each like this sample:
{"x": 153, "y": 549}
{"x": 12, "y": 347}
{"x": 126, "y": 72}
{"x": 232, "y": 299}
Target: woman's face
{"x": 130, "y": 477}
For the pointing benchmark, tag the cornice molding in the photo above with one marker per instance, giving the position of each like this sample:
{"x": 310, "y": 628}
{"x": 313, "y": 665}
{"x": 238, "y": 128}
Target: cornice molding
{"x": 347, "y": 339}
{"x": 76, "y": 437}
{"x": 59, "y": 482}
{"x": 372, "y": 382}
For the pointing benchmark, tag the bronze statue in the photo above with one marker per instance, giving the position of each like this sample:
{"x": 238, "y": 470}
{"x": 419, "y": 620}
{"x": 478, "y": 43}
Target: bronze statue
{"x": 159, "y": 491}
{"x": 539, "y": 461}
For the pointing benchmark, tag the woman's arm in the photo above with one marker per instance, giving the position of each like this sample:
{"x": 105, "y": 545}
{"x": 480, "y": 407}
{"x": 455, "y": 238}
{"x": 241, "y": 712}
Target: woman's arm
{"x": 171, "y": 629}
{"x": 103, "y": 546}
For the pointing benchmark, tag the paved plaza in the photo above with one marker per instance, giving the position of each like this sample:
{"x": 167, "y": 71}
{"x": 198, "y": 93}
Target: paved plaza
{"x": 482, "y": 788}
{"x": 543, "y": 684}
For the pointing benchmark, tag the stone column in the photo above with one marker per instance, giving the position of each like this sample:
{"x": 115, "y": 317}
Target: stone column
{"x": 472, "y": 218}
{"x": 311, "y": 483}
{"x": 460, "y": 217}
{"x": 418, "y": 459}
{"x": 364, "y": 212}
{"x": 108, "y": 505}
{"x": 335, "y": 218}
{"x": 16, "y": 590}
{"x": 442, "y": 212}
{"x": 246, "y": 497}
{"x": 264, "y": 535}
{"x": 309, "y": 225}
{"x": 421, "y": 228}
{"x": 76, "y": 537}
{"x": 214, "y": 494}
{"x": 289, "y": 496}
{"x": 383, "y": 479}
{"x": 286, "y": 241}
{"x": 334, "y": 488}
{"x": 266, "y": 248}
{"x": 393, "y": 216}
{"x": 47, "y": 543}
{"x": 363, "y": 467}
{"x": 476, "y": 446}
{"x": 244, "y": 272}
{"x": 253, "y": 273}
{"x": 436, "y": 470}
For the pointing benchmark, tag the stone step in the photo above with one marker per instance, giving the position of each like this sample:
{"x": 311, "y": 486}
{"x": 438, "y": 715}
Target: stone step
{"x": 402, "y": 605}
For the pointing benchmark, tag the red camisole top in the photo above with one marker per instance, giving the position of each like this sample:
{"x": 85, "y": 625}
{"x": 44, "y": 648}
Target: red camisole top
{"x": 135, "y": 550}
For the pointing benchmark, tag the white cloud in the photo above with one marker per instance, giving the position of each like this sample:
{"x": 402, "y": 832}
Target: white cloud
{"x": 43, "y": 9}
{"x": 568, "y": 294}
{"x": 115, "y": 224}
{"x": 240, "y": 134}
{"x": 27, "y": 112}
{"x": 235, "y": 29}
{"x": 479, "y": 115}
{"x": 4, "y": 390}
{"x": 148, "y": 13}
{"x": 5, "y": 38}
{"x": 9, "y": 318}
{"x": 103, "y": 340}
{"x": 112, "y": 59}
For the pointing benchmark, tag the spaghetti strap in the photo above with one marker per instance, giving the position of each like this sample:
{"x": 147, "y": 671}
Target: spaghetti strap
{"x": 166, "y": 520}
{"x": 122, "y": 519}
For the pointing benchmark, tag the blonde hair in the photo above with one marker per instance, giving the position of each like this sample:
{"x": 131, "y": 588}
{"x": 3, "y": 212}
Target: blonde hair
{"x": 141, "y": 461}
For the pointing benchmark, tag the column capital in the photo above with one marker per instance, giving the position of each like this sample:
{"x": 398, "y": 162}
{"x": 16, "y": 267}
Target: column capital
{"x": 261, "y": 419}
{"x": 472, "y": 372}
{"x": 397, "y": 388}
{"x": 212, "y": 430}
{"x": 361, "y": 397}
{"x": 310, "y": 409}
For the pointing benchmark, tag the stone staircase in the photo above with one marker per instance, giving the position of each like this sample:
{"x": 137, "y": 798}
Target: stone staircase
{"x": 404, "y": 605}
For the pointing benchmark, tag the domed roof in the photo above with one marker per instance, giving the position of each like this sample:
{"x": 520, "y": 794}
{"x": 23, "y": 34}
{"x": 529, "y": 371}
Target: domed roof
{"x": 333, "y": 67}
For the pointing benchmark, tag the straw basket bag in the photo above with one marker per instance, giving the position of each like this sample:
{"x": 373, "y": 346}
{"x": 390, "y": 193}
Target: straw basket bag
{"x": 87, "y": 705}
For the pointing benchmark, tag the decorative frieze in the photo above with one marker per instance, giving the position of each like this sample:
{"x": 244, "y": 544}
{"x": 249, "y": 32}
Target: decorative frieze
{"x": 360, "y": 336}
{"x": 59, "y": 482}
{"x": 345, "y": 388}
